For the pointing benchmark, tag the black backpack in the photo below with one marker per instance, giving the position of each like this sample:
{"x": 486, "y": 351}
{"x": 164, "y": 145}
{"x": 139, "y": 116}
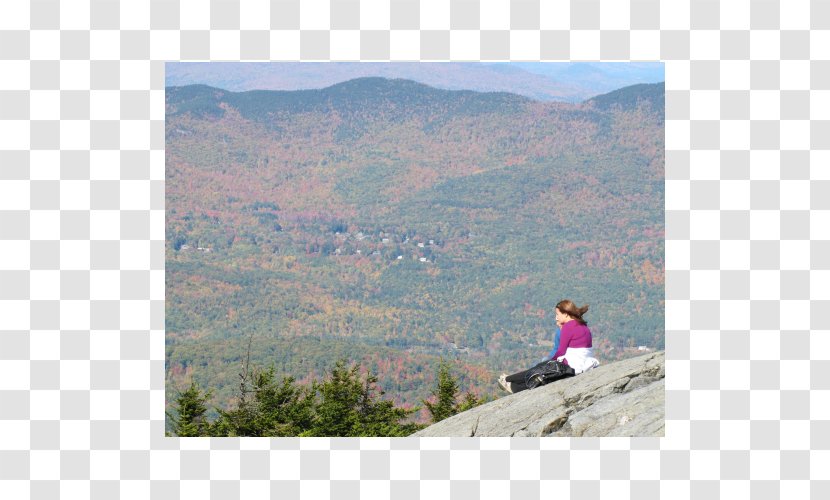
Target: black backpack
{"x": 546, "y": 372}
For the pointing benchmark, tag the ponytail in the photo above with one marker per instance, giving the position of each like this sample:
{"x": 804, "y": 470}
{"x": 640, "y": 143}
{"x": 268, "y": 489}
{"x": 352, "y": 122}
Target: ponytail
{"x": 569, "y": 308}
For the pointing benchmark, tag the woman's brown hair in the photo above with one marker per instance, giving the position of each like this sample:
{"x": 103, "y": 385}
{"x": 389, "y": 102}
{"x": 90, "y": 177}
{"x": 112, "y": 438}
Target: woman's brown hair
{"x": 569, "y": 308}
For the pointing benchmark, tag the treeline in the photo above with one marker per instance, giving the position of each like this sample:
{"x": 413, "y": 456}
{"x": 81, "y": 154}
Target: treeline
{"x": 346, "y": 403}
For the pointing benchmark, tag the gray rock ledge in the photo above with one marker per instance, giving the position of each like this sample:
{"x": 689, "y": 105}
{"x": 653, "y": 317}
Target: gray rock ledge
{"x": 626, "y": 398}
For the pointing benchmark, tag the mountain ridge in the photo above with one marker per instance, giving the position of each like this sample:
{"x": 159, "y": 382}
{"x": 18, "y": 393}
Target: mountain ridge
{"x": 358, "y": 99}
{"x": 355, "y": 100}
{"x": 551, "y": 82}
{"x": 362, "y": 84}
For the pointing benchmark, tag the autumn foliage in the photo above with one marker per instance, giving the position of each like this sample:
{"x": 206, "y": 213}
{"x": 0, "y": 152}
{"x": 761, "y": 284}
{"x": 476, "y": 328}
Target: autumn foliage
{"x": 393, "y": 224}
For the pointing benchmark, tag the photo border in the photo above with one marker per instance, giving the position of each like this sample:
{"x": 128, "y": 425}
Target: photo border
{"x": 82, "y": 234}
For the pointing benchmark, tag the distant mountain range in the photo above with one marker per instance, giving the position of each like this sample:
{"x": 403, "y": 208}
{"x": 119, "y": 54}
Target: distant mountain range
{"x": 404, "y": 98}
{"x": 393, "y": 223}
{"x": 566, "y": 82}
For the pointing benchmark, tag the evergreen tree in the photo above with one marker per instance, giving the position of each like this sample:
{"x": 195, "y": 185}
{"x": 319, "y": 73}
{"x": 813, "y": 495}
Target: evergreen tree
{"x": 336, "y": 414}
{"x": 351, "y": 406}
{"x": 343, "y": 404}
{"x": 445, "y": 393}
{"x": 379, "y": 417}
{"x": 241, "y": 420}
{"x": 446, "y": 396}
{"x": 189, "y": 420}
{"x": 284, "y": 409}
{"x": 470, "y": 401}
{"x": 268, "y": 408}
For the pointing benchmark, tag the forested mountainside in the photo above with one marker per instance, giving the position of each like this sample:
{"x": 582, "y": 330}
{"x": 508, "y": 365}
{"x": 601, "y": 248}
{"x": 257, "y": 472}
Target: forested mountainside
{"x": 394, "y": 224}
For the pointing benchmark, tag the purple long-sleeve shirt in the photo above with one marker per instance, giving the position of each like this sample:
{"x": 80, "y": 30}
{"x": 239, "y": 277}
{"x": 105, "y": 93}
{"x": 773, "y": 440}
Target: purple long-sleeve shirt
{"x": 573, "y": 335}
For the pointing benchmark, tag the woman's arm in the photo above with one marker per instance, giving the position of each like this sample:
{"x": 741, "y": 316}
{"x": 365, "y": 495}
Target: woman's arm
{"x": 555, "y": 343}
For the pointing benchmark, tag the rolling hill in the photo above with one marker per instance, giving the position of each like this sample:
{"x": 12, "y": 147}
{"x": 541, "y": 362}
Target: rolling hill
{"x": 393, "y": 223}
{"x": 563, "y": 82}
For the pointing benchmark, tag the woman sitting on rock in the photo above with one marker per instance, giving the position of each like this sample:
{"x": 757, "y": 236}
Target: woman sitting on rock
{"x": 575, "y": 347}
